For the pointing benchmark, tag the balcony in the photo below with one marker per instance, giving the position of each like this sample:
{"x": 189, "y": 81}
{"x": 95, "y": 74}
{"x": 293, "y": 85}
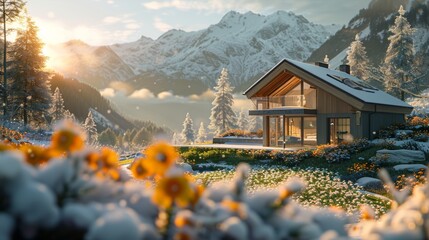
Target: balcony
{"x": 284, "y": 105}
{"x": 264, "y": 103}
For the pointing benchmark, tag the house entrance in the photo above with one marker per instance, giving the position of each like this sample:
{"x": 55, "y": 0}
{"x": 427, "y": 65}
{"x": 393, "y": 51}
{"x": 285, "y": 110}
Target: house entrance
{"x": 292, "y": 131}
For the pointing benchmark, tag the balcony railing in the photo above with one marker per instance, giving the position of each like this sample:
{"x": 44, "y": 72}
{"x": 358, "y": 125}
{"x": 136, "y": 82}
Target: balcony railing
{"x": 263, "y": 103}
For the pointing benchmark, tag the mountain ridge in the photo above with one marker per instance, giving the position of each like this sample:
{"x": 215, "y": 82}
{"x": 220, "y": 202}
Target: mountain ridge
{"x": 247, "y": 44}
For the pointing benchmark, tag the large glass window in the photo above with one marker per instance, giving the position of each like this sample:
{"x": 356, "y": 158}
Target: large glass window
{"x": 310, "y": 131}
{"x": 339, "y": 128}
{"x": 309, "y": 96}
{"x": 276, "y": 131}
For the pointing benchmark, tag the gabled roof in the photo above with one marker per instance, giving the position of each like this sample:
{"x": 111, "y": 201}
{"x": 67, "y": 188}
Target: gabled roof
{"x": 340, "y": 81}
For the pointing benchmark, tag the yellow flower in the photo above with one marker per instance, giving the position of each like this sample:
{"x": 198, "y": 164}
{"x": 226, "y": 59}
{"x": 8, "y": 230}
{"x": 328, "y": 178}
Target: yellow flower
{"x": 36, "y": 155}
{"x": 139, "y": 169}
{"x": 160, "y": 157}
{"x": 172, "y": 190}
{"x": 66, "y": 140}
{"x": 104, "y": 164}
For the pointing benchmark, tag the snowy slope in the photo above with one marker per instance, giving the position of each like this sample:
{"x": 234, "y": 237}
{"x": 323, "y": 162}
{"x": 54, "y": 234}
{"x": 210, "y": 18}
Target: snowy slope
{"x": 247, "y": 44}
{"x": 100, "y": 120}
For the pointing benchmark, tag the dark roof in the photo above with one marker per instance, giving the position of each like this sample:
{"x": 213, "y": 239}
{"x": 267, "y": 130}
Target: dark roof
{"x": 342, "y": 81}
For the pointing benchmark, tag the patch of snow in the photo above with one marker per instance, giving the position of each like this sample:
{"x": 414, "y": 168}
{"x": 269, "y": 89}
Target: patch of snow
{"x": 116, "y": 224}
{"x": 421, "y": 105}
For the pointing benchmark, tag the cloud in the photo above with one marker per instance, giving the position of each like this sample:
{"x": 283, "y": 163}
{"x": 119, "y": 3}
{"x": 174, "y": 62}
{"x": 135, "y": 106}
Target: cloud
{"x": 54, "y": 31}
{"x": 111, "y": 19}
{"x": 108, "y": 92}
{"x": 208, "y": 95}
{"x": 110, "y": 2}
{"x": 160, "y": 25}
{"x": 165, "y": 95}
{"x": 142, "y": 94}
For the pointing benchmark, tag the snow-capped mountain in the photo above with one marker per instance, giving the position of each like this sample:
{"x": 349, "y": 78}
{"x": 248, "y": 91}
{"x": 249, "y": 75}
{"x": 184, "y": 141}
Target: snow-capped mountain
{"x": 246, "y": 44}
{"x": 373, "y": 25}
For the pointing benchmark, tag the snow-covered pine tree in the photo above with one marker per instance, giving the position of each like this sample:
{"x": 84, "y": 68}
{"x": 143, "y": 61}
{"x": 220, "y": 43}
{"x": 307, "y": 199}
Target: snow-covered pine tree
{"x": 243, "y": 121}
{"x": 57, "y": 106}
{"x": 222, "y": 116}
{"x": 68, "y": 115}
{"x": 252, "y": 124}
{"x": 358, "y": 59}
{"x": 90, "y": 128}
{"x": 188, "y": 133}
{"x": 202, "y": 135}
{"x": 29, "y": 90}
{"x": 398, "y": 64}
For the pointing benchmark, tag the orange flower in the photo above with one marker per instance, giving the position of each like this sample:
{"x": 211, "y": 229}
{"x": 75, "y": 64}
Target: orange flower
{"x": 5, "y": 147}
{"x": 231, "y": 205}
{"x": 92, "y": 159}
{"x": 36, "y": 155}
{"x": 139, "y": 169}
{"x": 172, "y": 190}
{"x": 198, "y": 191}
{"x": 160, "y": 157}
{"x": 109, "y": 158}
{"x": 66, "y": 140}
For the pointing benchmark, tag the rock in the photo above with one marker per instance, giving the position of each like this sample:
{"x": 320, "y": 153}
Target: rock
{"x": 401, "y": 156}
{"x": 185, "y": 167}
{"x": 364, "y": 181}
{"x": 409, "y": 167}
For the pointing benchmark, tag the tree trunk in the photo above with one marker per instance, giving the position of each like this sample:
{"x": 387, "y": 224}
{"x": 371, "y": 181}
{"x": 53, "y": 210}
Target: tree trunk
{"x": 4, "y": 63}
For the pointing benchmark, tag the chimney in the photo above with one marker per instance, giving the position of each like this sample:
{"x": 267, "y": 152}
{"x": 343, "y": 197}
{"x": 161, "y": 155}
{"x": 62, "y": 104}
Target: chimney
{"x": 345, "y": 68}
{"x": 322, "y": 64}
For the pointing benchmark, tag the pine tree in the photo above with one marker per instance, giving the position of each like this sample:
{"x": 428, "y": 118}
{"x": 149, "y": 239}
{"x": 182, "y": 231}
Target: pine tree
{"x": 142, "y": 137}
{"x": 358, "y": 59}
{"x": 57, "y": 110}
{"x": 107, "y": 137}
{"x": 68, "y": 115}
{"x": 222, "y": 116}
{"x": 243, "y": 121}
{"x": 398, "y": 64}
{"x": 188, "y": 133}
{"x": 29, "y": 90}
{"x": 252, "y": 124}
{"x": 9, "y": 11}
{"x": 90, "y": 128}
{"x": 202, "y": 135}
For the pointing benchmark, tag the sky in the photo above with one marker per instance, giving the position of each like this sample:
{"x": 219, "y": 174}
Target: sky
{"x": 101, "y": 22}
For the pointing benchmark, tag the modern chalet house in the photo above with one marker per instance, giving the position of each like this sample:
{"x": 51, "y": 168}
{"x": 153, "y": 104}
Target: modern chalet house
{"x": 306, "y": 104}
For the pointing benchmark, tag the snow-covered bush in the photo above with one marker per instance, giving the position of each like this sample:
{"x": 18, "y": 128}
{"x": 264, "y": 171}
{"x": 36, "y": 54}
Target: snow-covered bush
{"x": 79, "y": 193}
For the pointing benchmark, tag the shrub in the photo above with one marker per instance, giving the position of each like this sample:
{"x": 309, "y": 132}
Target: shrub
{"x": 235, "y": 133}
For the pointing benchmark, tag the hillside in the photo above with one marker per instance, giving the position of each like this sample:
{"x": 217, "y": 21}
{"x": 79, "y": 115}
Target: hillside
{"x": 190, "y": 62}
{"x": 373, "y": 24}
{"x": 80, "y": 98}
